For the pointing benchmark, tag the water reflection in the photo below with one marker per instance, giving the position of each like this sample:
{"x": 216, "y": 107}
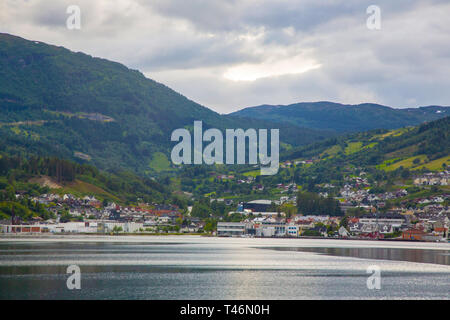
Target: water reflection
{"x": 209, "y": 269}
{"x": 410, "y": 255}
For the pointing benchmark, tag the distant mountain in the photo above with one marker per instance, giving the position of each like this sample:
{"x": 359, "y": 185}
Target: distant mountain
{"x": 343, "y": 117}
{"x": 68, "y": 104}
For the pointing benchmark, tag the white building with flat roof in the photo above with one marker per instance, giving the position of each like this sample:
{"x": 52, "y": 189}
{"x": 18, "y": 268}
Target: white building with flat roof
{"x": 230, "y": 229}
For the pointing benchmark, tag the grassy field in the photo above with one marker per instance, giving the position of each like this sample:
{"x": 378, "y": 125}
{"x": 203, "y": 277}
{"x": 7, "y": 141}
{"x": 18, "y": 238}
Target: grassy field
{"x": 370, "y": 145}
{"x": 253, "y": 173}
{"x": 435, "y": 165}
{"x": 353, "y": 147}
{"x": 386, "y": 163}
{"x": 332, "y": 151}
{"x": 406, "y": 163}
{"x": 392, "y": 133}
{"x": 80, "y": 188}
{"x": 160, "y": 162}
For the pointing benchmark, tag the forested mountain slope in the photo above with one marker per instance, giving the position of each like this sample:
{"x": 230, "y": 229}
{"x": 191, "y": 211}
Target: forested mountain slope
{"x": 344, "y": 118}
{"x": 57, "y": 102}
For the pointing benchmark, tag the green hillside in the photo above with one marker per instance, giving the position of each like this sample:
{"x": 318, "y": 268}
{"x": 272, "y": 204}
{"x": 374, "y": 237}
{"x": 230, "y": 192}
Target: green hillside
{"x": 36, "y": 175}
{"x": 57, "y": 102}
{"x": 423, "y": 147}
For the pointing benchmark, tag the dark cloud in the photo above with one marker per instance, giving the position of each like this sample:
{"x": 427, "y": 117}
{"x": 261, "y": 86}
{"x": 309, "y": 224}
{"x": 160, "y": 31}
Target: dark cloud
{"x": 194, "y": 53}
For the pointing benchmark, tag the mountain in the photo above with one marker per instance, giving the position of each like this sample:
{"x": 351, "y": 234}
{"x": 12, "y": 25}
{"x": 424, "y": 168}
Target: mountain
{"x": 343, "y": 117}
{"x": 68, "y": 104}
{"x": 426, "y": 146}
{"x": 388, "y": 158}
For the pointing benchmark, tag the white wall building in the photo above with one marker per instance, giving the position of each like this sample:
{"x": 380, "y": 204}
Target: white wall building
{"x": 229, "y": 229}
{"x": 292, "y": 230}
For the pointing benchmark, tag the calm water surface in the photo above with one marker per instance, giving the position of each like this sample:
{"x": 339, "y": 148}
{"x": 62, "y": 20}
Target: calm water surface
{"x": 218, "y": 268}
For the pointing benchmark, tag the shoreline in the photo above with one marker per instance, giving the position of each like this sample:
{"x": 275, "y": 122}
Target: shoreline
{"x": 202, "y": 235}
{"x": 205, "y": 239}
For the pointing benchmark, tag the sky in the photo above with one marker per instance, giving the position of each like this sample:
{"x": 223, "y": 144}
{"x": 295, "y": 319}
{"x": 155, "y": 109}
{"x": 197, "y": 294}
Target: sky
{"x": 230, "y": 54}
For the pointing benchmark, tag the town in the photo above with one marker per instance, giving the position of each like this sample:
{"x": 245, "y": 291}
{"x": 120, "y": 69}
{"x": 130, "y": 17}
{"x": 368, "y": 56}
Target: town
{"x": 365, "y": 214}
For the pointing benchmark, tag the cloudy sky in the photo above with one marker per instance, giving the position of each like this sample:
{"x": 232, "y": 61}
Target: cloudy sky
{"x": 230, "y": 54}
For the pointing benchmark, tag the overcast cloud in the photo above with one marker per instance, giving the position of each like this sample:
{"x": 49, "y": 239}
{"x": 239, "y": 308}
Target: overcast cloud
{"x": 231, "y": 54}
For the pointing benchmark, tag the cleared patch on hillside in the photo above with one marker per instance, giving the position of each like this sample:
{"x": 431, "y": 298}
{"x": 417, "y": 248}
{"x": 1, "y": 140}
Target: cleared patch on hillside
{"x": 46, "y": 181}
{"x": 82, "y": 188}
{"x": 253, "y": 173}
{"x": 93, "y": 116}
{"x": 386, "y": 163}
{"x": 82, "y": 155}
{"x": 370, "y": 145}
{"x": 435, "y": 165}
{"x": 409, "y": 163}
{"x": 415, "y": 163}
{"x": 332, "y": 151}
{"x": 392, "y": 133}
{"x": 404, "y": 152}
{"x": 353, "y": 147}
{"x": 23, "y": 123}
{"x": 159, "y": 162}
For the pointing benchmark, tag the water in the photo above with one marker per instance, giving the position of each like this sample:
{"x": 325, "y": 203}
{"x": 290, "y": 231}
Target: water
{"x": 221, "y": 268}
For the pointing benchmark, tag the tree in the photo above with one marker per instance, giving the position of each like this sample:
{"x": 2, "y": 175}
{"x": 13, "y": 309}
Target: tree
{"x": 344, "y": 222}
{"x": 201, "y": 210}
{"x": 117, "y": 229}
{"x": 288, "y": 208}
{"x": 355, "y": 212}
{"x": 65, "y": 217}
{"x": 10, "y": 193}
{"x": 405, "y": 174}
{"x": 312, "y": 203}
{"x": 210, "y": 225}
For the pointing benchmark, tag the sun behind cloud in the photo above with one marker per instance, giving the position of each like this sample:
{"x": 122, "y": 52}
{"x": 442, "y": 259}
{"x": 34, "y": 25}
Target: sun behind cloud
{"x": 271, "y": 68}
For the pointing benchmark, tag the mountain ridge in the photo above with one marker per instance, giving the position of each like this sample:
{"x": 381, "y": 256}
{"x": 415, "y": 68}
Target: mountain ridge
{"x": 344, "y": 117}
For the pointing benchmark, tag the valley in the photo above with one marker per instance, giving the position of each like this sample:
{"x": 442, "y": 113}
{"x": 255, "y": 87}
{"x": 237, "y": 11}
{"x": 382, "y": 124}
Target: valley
{"x": 86, "y": 140}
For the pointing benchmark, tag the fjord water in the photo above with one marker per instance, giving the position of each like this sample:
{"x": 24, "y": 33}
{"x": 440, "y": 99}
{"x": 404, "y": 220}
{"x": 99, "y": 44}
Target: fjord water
{"x": 191, "y": 267}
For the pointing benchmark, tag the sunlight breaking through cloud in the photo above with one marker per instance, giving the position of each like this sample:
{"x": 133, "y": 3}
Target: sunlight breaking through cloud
{"x": 271, "y": 68}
